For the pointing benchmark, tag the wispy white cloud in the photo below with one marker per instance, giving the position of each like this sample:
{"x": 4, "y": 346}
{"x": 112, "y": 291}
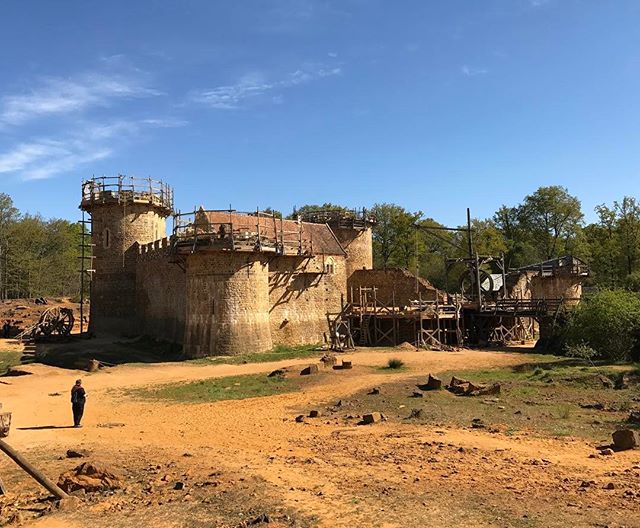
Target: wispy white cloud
{"x": 47, "y": 157}
{"x": 252, "y": 86}
{"x": 538, "y": 3}
{"x": 468, "y": 71}
{"x": 69, "y": 96}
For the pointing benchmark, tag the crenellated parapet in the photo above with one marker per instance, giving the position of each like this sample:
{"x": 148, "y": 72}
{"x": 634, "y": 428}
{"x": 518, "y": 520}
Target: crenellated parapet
{"x": 154, "y": 250}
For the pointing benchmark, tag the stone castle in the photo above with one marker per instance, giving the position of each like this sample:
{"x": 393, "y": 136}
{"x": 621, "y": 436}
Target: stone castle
{"x": 224, "y": 282}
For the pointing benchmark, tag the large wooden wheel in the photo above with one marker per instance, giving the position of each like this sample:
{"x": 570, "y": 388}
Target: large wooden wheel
{"x": 468, "y": 283}
{"x": 55, "y": 321}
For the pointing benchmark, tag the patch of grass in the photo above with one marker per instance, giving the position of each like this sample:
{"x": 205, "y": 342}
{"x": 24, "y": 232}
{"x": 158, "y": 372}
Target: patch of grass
{"x": 278, "y": 353}
{"x": 546, "y": 399}
{"x": 219, "y": 389}
{"x": 395, "y": 363}
{"x": 8, "y": 360}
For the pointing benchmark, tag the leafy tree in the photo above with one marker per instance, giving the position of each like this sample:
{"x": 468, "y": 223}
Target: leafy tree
{"x": 614, "y": 242}
{"x": 38, "y": 257}
{"x": 274, "y": 212}
{"x": 551, "y": 219}
{"x": 609, "y": 323}
{"x": 312, "y": 208}
{"x": 394, "y": 236}
{"x": 8, "y": 215}
{"x": 627, "y": 215}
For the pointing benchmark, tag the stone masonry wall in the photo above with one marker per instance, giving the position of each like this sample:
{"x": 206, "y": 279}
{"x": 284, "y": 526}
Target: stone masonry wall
{"x": 160, "y": 293}
{"x": 392, "y": 285}
{"x": 358, "y": 245}
{"x": 116, "y": 229}
{"x": 227, "y": 304}
{"x": 567, "y": 287}
{"x": 301, "y": 292}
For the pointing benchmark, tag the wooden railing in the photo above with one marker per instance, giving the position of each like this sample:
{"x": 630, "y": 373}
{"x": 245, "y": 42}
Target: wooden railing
{"x": 195, "y": 231}
{"x": 125, "y": 190}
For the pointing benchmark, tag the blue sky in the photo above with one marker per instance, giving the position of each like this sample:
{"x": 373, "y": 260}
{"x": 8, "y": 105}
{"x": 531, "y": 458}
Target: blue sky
{"x": 434, "y": 105}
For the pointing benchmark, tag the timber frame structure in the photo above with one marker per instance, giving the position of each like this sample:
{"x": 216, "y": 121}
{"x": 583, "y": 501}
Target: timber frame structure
{"x": 483, "y": 311}
{"x": 366, "y": 320}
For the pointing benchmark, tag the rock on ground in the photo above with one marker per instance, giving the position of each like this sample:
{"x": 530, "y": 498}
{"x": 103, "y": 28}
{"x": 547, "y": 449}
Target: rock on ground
{"x": 624, "y": 439}
{"x": 90, "y": 476}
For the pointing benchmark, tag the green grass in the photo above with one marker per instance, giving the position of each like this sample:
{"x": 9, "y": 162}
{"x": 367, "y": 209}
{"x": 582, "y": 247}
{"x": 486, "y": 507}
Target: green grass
{"x": 9, "y": 359}
{"x": 391, "y": 370}
{"x": 278, "y": 353}
{"x": 542, "y": 398}
{"x": 219, "y": 389}
{"x": 395, "y": 363}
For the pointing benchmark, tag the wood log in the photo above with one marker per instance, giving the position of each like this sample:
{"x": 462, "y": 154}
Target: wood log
{"x": 37, "y": 475}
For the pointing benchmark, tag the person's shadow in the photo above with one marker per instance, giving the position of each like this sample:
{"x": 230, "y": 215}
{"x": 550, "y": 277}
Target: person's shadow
{"x": 40, "y": 427}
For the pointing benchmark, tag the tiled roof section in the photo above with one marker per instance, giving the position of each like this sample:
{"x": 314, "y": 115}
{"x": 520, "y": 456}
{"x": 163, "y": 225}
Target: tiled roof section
{"x": 318, "y": 237}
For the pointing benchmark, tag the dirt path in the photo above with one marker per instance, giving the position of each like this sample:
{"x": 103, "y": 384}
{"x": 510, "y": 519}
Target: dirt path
{"x": 337, "y": 473}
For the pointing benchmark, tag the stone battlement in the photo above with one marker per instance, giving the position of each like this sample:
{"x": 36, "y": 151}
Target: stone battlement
{"x": 156, "y": 249}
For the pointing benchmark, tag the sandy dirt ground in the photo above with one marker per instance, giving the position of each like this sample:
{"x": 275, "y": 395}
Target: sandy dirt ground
{"x": 387, "y": 475}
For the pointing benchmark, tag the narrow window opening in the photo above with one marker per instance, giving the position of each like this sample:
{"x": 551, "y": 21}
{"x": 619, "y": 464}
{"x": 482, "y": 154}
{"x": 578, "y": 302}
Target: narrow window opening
{"x": 106, "y": 239}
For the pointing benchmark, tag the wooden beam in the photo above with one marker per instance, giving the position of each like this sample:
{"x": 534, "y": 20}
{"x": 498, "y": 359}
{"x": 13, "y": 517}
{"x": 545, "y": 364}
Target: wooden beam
{"x": 37, "y": 475}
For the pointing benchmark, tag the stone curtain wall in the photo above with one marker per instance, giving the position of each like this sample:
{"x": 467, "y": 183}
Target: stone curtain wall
{"x": 160, "y": 293}
{"x": 115, "y": 231}
{"x": 568, "y": 287}
{"x": 359, "y": 247}
{"x": 301, "y": 294}
{"x": 227, "y": 304}
{"x": 391, "y": 284}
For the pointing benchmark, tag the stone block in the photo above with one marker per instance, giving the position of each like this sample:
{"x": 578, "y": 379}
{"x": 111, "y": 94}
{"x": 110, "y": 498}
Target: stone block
{"x": 624, "y": 439}
{"x": 311, "y": 369}
{"x": 370, "y": 418}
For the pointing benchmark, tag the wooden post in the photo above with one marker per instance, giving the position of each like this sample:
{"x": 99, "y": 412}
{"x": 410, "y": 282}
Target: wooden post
{"x": 41, "y": 478}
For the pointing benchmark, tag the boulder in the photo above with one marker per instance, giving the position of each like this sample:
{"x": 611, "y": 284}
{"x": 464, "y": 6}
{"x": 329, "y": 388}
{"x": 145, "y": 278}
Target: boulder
{"x": 311, "y": 369}
{"x": 329, "y": 360}
{"x": 467, "y": 388}
{"x": 624, "y": 439}
{"x": 276, "y": 373}
{"x": 91, "y": 477}
{"x": 77, "y": 453}
{"x": 347, "y": 365}
{"x": 370, "y": 418}
{"x": 314, "y": 413}
{"x": 374, "y": 391}
{"x": 433, "y": 383}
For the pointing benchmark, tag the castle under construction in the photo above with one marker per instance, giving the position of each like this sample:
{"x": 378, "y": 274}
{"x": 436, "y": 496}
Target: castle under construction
{"x": 226, "y": 282}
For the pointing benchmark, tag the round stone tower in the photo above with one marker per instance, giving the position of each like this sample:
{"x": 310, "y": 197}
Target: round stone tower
{"x": 353, "y": 229}
{"x": 125, "y": 212}
{"x": 227, "y": 304}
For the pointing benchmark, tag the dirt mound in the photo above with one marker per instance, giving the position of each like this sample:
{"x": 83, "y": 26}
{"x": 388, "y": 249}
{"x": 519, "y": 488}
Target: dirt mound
{"x": 24, "y": 313}
{"x": 90, "y": 477}
{"x": 406, "y": 346}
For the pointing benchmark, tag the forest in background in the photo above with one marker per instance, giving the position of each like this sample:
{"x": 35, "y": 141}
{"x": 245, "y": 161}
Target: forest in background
{"x": 39, "y": 257}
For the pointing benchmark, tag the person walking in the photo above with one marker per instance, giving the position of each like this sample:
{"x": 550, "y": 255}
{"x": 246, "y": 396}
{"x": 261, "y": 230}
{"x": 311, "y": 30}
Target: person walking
{"x": 78, "y": 399}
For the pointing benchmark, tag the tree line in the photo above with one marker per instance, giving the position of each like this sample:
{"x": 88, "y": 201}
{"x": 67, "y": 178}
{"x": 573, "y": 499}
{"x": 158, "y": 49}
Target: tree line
{"x": 39, "y": 257}
{"x": 548, "y": 223}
